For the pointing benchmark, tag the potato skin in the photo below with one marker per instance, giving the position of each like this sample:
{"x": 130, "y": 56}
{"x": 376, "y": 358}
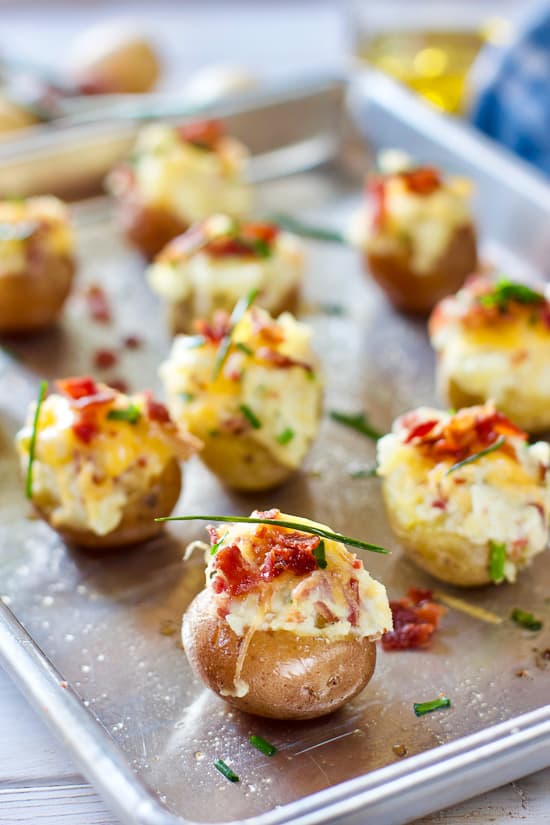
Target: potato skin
{"x": 418, "y": 294}
{"x": 148, "y": 228}
{"x": 445, "y": 555}
{"x": 289, "y": 677}
{"x": 138, "y": 520}
{"x": 32, "y": 300}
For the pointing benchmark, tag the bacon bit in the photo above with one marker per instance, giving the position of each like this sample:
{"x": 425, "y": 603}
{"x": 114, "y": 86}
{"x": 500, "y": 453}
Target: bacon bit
{"x": 278, "y": 359}
{"x": 266, "y": 328}
{"x": 119, "y": 384}
{"x": 288, "y": 552}
{"x": 439, "y": 504}
{"x": 421, "y": 430}
{"x": 132, "y": 342}
{"x": 105, "y": 358}
{"x": 85, "y": 430}
{"x": 259, "y": 232}
{"x": 64, "y": 685}
{"x": 205, "y": 134}
{"x": 376, "y": 189}
{"x": 357, "y": 564}
{"x": 540, "y": 509}
{"x": 353, "y": 601}
{"x": 272, "y": 514}
{"x": 156, "y": 411}
{"x": 235, "y": 424}
{"x": 238, "y": 577}
{"x": 215, "y": 330}
{"x": 422, "y": 181}
{"x": 98, "y": 305}
{"x": 415, "y": 620}
{"x": 142, "y": 461}
{"x": 76, "y": 388}
{"x": 325, "y": 613}
{"x": 87, "y": 398}
{"x": 213, "y": 533}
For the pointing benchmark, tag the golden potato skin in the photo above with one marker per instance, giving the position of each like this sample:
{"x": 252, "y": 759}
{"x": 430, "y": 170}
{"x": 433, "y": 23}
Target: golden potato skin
{"x": 289, "y": 677}
{"x": 148, "y": 228}
{"x": 241, "y": 463}
{"x": 445, "y": 555}
{"x": 32, "y": 300}
{"x": 138, "y": 520}
{"x": 418, "y": 294}
{"x": 181, "y": 316}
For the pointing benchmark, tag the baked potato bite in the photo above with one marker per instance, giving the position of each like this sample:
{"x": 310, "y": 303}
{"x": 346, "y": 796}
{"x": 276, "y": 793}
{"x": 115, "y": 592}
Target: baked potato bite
{"x": 220, "y": 260}
{"x": 286, "y": 624}
{"x": 178, "y": 175}
{"x": 249, "y": 388}
{"x": 492, "y": 340}
{"x": 465, "y": 492}
{"x": 417, "y": 236}
{"x": 37, "y": 263}
{"x": 105, "y": 464}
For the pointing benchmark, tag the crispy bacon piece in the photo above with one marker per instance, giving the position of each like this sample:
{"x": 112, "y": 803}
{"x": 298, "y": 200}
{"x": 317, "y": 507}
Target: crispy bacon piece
{"x": 238, "y": 576}
{"x": 76, "y": 388}
{"x": 415, "y": 620}
{"x": 266, "y": 328}
{"x": 278, "y": 359}
{"x": 216, "y": 329}
{"x": 271, "y": 514}
{"x": 98, "y": 305}
{"x": 156, "y": 411}
{"x": 87, "y": 399}
{"x": 376, "y": 189}
{"x": 423, "y": 181}
{"x": 105, "y": 358}
{"x": 421, "y": 430}
{"x": 205, "y": 134}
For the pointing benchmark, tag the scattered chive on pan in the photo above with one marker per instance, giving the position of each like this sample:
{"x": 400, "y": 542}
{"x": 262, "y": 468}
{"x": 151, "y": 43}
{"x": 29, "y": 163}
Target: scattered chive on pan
{"x": 526, "y": 619}
{"x": 358, "y": 422}
{"x": 238, "y": 313}
{"x": 250, "y": 416}
{"x": 496, "y": 446}
{"x": 32, "y": 446}
{"x": 131, "y": 414}
{"x": 263, "y": 745}
{"x": 225, "y": 770}
{"x": 364, "y": 472}
{"x": 317, "y": 233}
{"x": 291, "y": 525}
{"x": 421, "y": 708}
{"x": 497, "y": 561}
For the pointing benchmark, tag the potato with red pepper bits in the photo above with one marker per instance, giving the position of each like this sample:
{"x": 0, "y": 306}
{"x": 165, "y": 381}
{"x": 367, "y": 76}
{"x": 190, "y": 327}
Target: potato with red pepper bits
{"x": 37, "y": 263}
{"x": 286, "y": 625}
{"x": 220, "y": 260}
{"x": 417, "y": 236}
{"x": 177, "y": 176}
{"x": 466, "y": 494}
{"x": 492, "y": 340}
{"x": 249, "y": 387}
{"x": 104, "y": 464}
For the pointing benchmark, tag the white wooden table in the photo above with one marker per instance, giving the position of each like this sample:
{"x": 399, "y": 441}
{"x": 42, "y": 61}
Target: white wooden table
{"x": 39, "y": 783}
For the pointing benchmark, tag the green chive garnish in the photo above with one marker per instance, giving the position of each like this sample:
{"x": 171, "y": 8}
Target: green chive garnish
{"x": 225, "y": 770}
{"x": 32, "y": 446}
{"x": 318, "y": 233}
{"x": 319, "y": 554}
{"x": 215, "y": 547}
{"x": 286, "y": 436}
{"x": 238, "y": 312}
{"x": 263, "y": 745}
{"x": 131, "y": 414}
{"x": 358, "y": 422}
{"x": 333, "y": 310}
{"x": 496, "y": 446}
{"x": 525, "y": 619}
{"x": 421, "y": 708}
{"x": 291, "y": 525}
{"x": 252, "y": 419}
{"x": 364, "y": 472}
{"x": 187, "y": 397}
{"x": 497, "y": 560}
{"x": 505, "y": 291}
{"x": 244, "y": 348}
{"x": 261, "y": 247}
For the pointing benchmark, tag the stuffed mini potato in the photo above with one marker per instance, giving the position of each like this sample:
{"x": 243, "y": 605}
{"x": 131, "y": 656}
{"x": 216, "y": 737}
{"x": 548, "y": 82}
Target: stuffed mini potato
{"x": 417, "y": 236}
{"x": 493, "y": 341}
{"x": 37, "y": 263}
{"x": 249, "y": 388}
{"x": 221, "y": 260}
{"x": 178, "y": 175}
{"x": 465, "y": 493}
{"x": 105, "y": 464}
{"x": 285, "y": 627}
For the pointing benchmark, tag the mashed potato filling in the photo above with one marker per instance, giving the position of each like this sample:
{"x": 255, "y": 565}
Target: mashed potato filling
{"x": 39, "y": 220}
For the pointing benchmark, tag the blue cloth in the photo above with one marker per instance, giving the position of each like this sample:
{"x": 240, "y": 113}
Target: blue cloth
{"x": 513, "y": 101}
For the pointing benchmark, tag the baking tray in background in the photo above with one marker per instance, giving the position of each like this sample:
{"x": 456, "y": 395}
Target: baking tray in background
{"x": 100, "y": 654}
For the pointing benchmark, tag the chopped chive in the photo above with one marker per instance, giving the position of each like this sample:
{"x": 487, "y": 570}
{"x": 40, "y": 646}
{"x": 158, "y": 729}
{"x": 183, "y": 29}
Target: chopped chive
{"x": 505, "y": 291}
{"x": 131, "y": 414}
{"x": 244, "y": 348}
{"x": 238, "y": 313}
{"x": 187, "y": 397}
{"x": 32, "y": 446}
{"x": 225, "y": 770}
{"x": 364, "y": 472}
{"x": 525, "y": 619}
{"x": 319, "y": 554}
{"x": 193, "y": 341}
{"x": 318, "y": 233}
{"x": 263, "y": 745}
{"x": 496, "y": 446}
{"x": 215, "y": 547}
{"x": 252, "y": 419}
{"x": 333, "y": 310}
{"x": 421, "y": 708}
{"x": 286, "y": 436}
{"x": 261, "y": 247}
{"x": 291, "y": 525}
{"x": 358, "y": 422}
{"x": 497, "y": 561}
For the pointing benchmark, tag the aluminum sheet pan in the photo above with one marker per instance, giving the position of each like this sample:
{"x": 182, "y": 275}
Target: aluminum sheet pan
{"x": 112, "y": 678}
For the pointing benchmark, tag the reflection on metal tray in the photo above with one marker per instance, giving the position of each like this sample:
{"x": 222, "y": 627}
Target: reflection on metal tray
{"x": 143, "y": 729}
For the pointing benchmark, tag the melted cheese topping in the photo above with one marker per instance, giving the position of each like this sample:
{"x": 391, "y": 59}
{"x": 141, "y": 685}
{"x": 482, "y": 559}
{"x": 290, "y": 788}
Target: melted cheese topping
{"x": 282, "y": 399}
{"x": 42, "y": 218}
{"x": 189, "y": 181}
{"x": 494, "y": 498}
{"x": 213, "y": 282}
{"x": 291, "y": 602}
{"x": 88, "y": 485}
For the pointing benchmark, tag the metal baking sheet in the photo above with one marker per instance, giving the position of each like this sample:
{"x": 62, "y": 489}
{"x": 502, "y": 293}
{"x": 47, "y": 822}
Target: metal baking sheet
{"x": 99, "y": 652}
